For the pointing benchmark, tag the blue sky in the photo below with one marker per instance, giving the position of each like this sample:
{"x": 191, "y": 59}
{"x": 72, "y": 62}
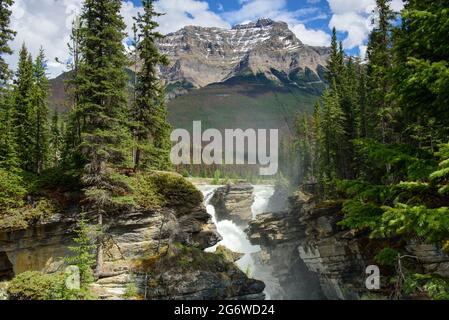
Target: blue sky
{"x": 310, "y": 20}
{"x": 47, "y": 23}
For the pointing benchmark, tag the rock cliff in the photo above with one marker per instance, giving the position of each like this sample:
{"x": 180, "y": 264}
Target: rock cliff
{"x": 202, "y": 56}
{"x": 308, "y": 237}
{"x": 234, "y": 202}
{"x": 133, "y": 240}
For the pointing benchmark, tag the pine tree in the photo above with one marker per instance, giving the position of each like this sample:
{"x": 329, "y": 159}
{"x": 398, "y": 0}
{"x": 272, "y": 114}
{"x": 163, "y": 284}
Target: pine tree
{"x": 71, "y": 153}
{"x": 361, "y": 110}
{"x": 149, "y": 111}
{"x": 335, "y": 63}
{"x": 333, "y": 135}
{"x": 8, "y": 157}
{"x": 102, "y": 82}
{"x": 102, "y": 108}
{"x": 23, "y": 113}
{"x": 6, "y": 35}
{"x": 40, "y": 103}
{"x": 379, "y": 63}
{"x": 83, "y": 255}
{"x": 8, "y": 147}
{"x": 421, "y": 71}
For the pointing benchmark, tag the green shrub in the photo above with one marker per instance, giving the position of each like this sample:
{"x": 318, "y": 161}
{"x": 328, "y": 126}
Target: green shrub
{"x": 21, "y": 218}
{"x": 436, "y": 287}
{"x": 34, "y": 285}
{"x": 12, "y": 190}
{"x": 175, "y": 191}
{"x": 58, "y": 179}
{"x": 360, "y": 215}
{"x": 387, "y": 257}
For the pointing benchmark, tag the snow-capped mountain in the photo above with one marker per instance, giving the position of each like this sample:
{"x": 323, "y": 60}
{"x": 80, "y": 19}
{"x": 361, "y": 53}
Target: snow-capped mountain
{"x": 200, "y": 56}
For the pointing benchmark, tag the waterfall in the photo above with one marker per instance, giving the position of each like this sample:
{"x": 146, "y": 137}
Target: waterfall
{"x": 234, "y": 237}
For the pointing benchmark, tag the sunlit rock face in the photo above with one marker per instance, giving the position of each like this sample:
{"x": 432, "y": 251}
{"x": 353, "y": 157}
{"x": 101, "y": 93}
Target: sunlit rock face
{"x": 234, "y": 203}
{"x": 201, "y": 56}
{"x": 148, "y": 254}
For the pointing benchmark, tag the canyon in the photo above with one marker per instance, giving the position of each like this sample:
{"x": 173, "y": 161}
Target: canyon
{"x": 243, "y": 242}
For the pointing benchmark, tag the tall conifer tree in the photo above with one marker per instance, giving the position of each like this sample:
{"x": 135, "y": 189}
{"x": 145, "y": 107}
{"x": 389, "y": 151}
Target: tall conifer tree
{"x": 23, "y": 113}
{"x": 40, "y": 102}
{"x": 7, "y": 144}
{"x": 6, "y": 35}
{"x": 149, "y": 111}
{"x": 102, "y": 108}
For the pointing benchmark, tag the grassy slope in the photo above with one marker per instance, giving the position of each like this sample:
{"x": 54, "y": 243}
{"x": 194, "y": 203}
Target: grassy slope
{"x": 241, "y": 104}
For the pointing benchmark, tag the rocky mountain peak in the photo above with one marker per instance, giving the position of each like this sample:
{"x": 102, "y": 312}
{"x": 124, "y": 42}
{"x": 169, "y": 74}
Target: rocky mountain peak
{"x": 201, "y": 56}
{"x": 262, "y": 23}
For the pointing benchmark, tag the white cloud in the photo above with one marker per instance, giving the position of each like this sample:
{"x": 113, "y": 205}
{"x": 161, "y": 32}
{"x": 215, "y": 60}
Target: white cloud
{"x": 254, "y": 9}
{"x": 354, "y": 17}
{"x": 47, "y": 23}
{"x": 277, "y": 10}
{"x": 181, "y": 13}
{"x": 310, "y": 36}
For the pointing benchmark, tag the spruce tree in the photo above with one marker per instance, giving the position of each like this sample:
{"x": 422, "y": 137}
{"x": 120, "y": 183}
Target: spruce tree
{"x": 379, "y": 63}
{"x": 8, "y": 157}
{"x": 8, "y": 147}
{"x": 102, "y": 108}
{"x": 23, "y": 113}
{"x": 333, "y": 134}
{"x": 334, "y": 65}
{"x": 83, "y": 255}
{"x": 6, "y": 35}
{"x": 40, "y": 102}
{"x": 149, "y": 110}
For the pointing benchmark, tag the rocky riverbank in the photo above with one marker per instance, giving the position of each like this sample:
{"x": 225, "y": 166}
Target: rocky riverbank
{"x": 148, "y": 254}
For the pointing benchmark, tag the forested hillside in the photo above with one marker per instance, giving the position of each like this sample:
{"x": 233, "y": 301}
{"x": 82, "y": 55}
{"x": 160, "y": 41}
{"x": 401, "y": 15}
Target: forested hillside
{"x": 93, "y": 159}
{"x": 378, "y": 140}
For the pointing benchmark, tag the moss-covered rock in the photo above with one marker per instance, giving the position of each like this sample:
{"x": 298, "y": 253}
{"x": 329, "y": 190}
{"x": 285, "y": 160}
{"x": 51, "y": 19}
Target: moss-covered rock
{"x": 165, "y": 189}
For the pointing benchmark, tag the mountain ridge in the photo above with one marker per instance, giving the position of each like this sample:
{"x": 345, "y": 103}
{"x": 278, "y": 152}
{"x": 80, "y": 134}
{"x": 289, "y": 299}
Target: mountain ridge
{"x": 200, "y": 56}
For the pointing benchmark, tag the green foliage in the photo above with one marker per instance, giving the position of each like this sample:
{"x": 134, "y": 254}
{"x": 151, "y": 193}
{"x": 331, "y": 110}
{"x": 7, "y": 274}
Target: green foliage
{"x": 176, "y": 191}
{"x": 40, "y": 104}
{"x": 12, "y": 190}
{"x": 431, "y": 224}
{"x": 149, "y": 112}
{"x": 217, "y": 177}
{"x": 361, "y": 215}
{"x": 83, "y": 255}
{"x": 6, "y": 35}
{"x": 22, "y": 217}
{"x": 441, "y": 176}
{"x": 436, "y": 287}
{"x": 383, "y": 163}
{"x": 34, "y": 285}
{"x": 58, "y": 179}
{"x": 387, "y": 257}
{"x": 23, "y": 112}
